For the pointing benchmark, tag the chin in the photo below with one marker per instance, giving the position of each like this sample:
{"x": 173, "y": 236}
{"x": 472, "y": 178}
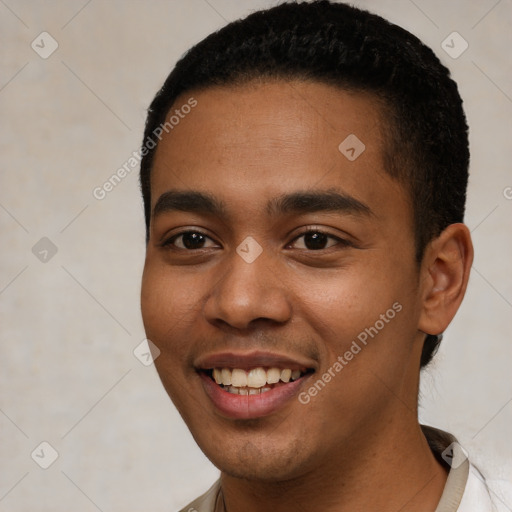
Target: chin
{"x": 259, "y": 461}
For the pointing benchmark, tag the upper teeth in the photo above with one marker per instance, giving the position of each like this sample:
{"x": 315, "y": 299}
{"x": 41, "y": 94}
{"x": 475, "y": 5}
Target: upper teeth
{"x": 255, "y": 378}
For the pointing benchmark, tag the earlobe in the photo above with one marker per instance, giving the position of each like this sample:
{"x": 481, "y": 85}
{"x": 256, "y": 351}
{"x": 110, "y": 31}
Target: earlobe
{"x": 445, "y": 274}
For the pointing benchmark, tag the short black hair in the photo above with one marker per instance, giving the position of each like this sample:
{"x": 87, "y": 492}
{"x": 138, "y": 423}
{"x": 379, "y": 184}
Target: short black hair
{"x": 426, "y": 134}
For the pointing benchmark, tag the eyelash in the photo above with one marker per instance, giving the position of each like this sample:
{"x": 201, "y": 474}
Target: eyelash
{"x": 169, "y": 243}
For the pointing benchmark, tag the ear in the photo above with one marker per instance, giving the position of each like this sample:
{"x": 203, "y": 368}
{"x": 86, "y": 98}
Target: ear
{"x": 444, "y": 277}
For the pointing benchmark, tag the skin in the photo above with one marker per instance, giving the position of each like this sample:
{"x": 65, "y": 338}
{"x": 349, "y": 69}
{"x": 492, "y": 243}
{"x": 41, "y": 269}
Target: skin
{"x": 357, "y": 444}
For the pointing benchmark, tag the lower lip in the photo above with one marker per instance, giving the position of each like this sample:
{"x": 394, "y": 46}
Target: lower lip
{"x": 245, "y": 407}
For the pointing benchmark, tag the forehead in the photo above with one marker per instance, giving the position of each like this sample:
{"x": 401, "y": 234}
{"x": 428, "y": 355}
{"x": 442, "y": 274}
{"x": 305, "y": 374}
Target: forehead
{"x": 263, "y": 139}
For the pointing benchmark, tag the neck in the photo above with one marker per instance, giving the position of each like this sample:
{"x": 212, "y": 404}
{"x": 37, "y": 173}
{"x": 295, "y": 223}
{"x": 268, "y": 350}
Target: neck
{"x": 385, "y": 471}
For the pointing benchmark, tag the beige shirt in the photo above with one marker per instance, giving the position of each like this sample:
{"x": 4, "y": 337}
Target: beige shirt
{"x": 465, "y": 489}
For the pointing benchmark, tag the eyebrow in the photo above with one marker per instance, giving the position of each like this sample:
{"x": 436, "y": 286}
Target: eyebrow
{"x": 189, "y": 201}
{"x": 299, "y": 202}
{"x": 321, "y": 200}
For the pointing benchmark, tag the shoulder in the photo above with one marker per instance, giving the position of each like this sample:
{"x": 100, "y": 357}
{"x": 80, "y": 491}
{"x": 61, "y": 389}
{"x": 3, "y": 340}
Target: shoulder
{"x": 481, "y": 495}
{"x": 466, "y": 489}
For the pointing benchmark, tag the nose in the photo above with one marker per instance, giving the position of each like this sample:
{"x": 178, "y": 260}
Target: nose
{"x": 248, "y": 293}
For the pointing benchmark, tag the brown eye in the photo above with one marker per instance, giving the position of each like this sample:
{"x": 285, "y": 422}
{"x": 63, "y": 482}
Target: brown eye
{"x": 193, "y": 240}
{"x": 316, "y": 241}
{"x": 190, "y": 240}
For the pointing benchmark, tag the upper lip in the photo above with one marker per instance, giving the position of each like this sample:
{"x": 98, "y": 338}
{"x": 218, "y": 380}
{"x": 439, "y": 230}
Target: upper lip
{"x": 249, "y": 360}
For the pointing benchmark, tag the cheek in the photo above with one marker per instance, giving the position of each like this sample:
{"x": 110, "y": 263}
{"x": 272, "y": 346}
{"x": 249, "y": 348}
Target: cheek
{"x": 342, "y": 304}
{"x": 366, "y": 315}
{"x": 169, "y": 312}
{"x": 365, "y": 323}
{"x": 169, "y": 306}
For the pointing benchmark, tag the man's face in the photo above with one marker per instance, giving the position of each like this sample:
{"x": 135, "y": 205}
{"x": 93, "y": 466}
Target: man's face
{"x": 336, "y": 276}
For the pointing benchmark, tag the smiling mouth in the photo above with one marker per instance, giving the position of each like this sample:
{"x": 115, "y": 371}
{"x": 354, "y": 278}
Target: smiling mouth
{"x": 255, "y": 381}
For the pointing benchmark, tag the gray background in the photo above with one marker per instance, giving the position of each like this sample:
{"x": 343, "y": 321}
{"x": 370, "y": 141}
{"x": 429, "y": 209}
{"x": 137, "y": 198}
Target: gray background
{"x": 70, "y": 321}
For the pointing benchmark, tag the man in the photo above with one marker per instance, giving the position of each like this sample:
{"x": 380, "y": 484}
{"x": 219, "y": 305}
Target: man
{"x": 304, "y": 181}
